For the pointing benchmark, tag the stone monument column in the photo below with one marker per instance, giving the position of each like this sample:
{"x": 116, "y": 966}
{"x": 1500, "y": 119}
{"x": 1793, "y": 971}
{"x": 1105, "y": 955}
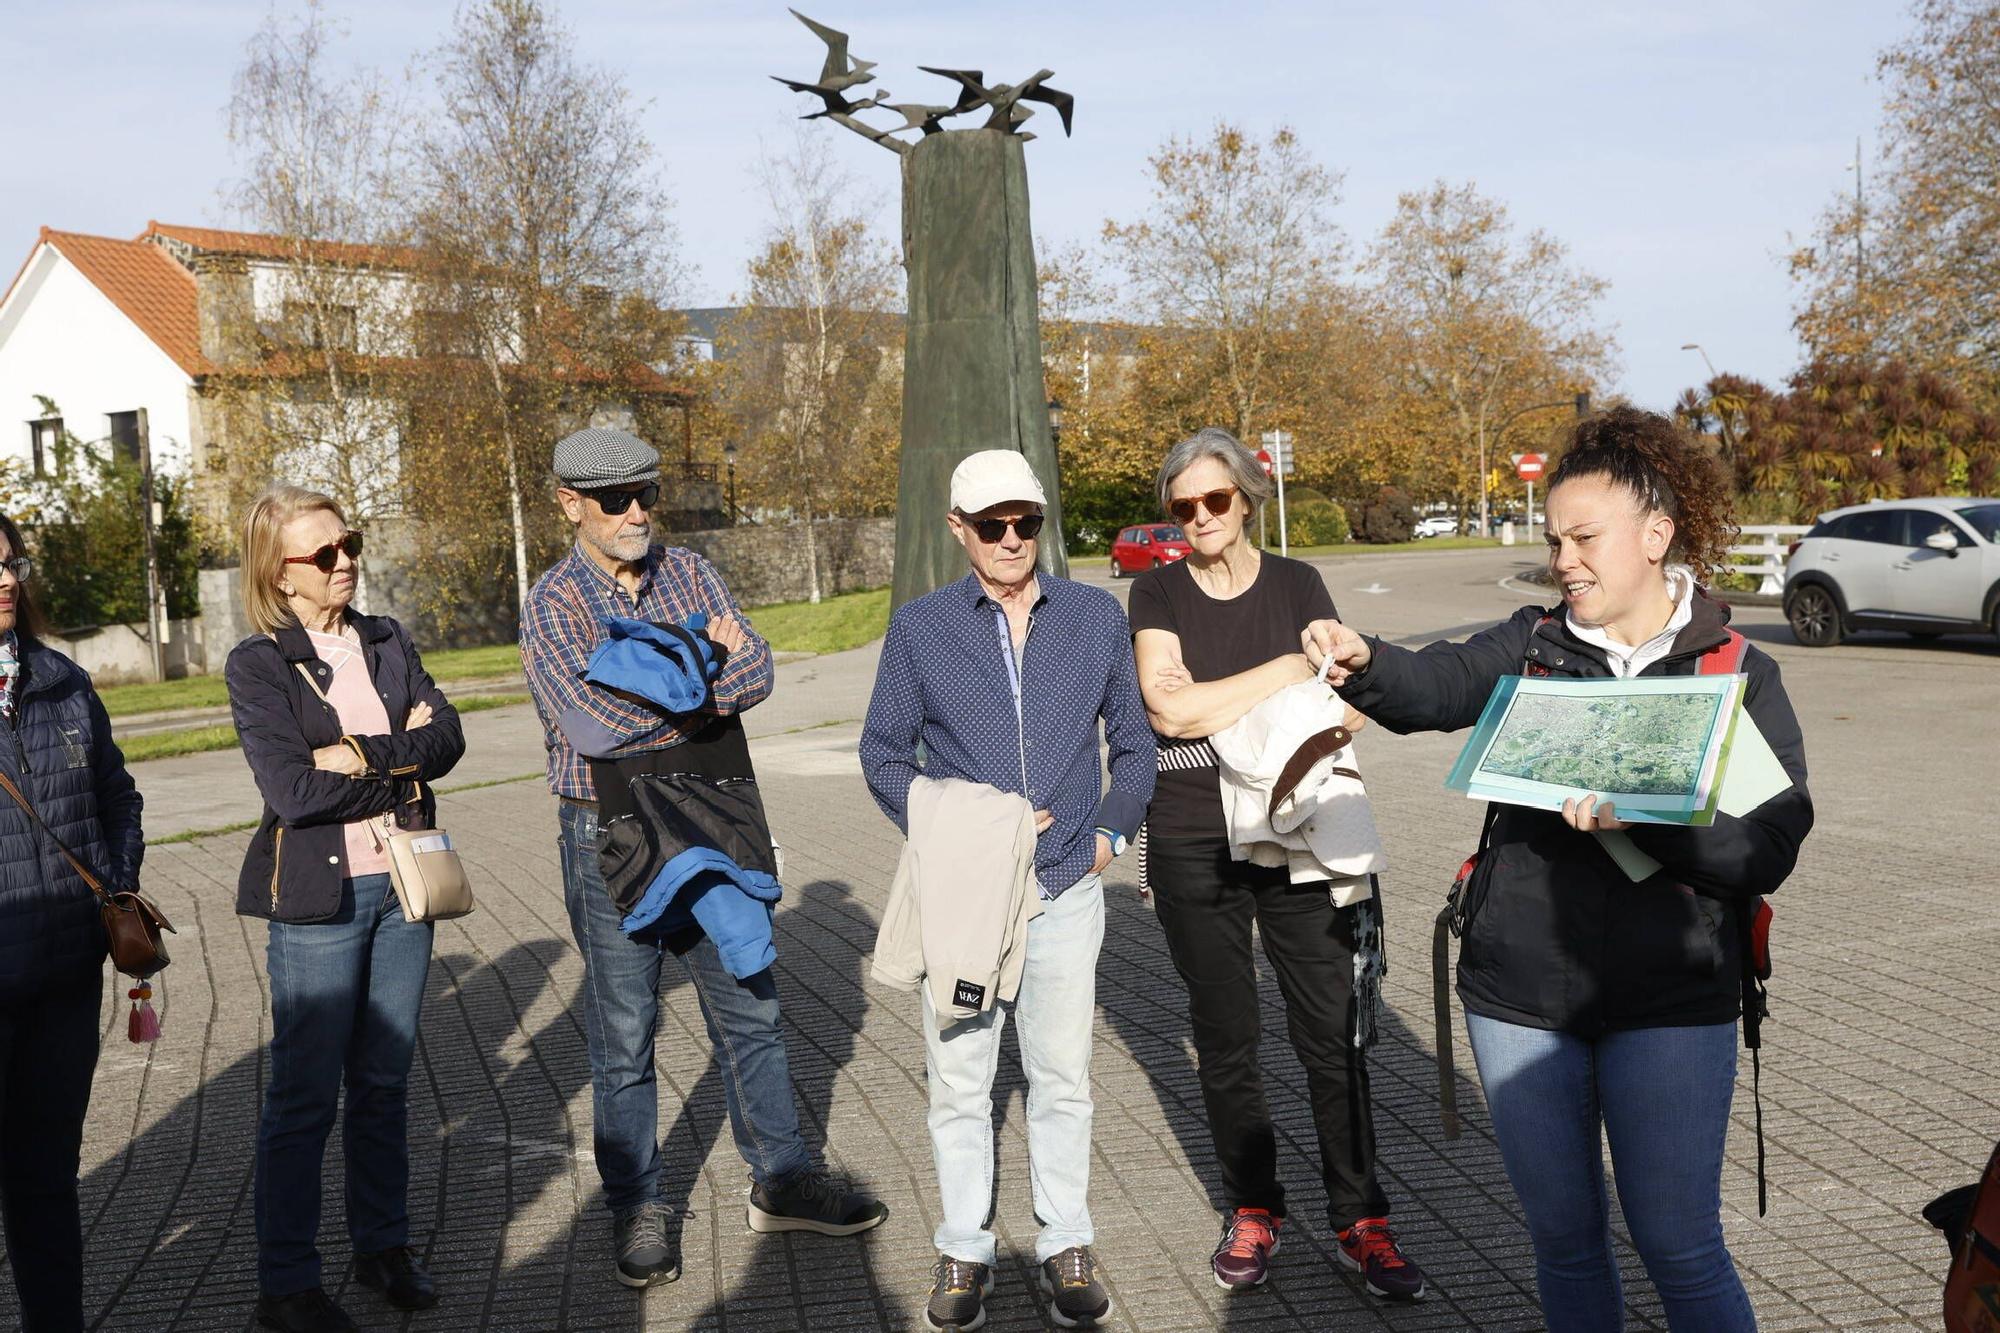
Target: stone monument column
{"x": 972, "y": 361}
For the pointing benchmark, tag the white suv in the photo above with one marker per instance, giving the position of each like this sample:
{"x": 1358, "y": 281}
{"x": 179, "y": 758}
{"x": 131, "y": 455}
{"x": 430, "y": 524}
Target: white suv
{"x": 1928, "y": 567}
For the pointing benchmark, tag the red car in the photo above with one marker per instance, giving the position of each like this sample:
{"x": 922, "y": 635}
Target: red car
{"x": 1138, "y": 549}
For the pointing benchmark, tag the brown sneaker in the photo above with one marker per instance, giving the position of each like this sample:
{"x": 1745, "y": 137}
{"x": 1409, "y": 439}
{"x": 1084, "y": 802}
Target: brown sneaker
{"x": 1076, "y": 1298}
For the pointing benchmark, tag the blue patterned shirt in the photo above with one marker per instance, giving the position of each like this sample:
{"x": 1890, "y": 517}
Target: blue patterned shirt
{"x": 562, "y": 624}
{"x": 947, "y": 682}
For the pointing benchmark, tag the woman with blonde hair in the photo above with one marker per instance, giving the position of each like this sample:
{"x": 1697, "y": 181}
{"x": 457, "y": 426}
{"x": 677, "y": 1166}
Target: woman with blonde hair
{"x": 344, "y": 730}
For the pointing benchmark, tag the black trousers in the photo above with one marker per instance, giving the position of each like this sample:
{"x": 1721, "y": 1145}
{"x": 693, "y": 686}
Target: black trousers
{"x": 48, "y": 1053}
{"x": 1206, "y": 904}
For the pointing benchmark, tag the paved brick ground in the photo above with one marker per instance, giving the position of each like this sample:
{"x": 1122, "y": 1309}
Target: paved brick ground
{"x": 1880, "y": 1086}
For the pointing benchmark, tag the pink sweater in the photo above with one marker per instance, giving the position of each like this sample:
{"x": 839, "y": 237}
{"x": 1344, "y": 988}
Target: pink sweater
{"x": 361, "y": 713}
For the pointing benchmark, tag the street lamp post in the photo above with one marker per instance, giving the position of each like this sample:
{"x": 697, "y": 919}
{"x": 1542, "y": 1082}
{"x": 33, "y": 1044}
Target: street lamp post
{"x": 1581, "y": 402}
{"x": 729, "y": 457}
{"x": 1697, "y": 347}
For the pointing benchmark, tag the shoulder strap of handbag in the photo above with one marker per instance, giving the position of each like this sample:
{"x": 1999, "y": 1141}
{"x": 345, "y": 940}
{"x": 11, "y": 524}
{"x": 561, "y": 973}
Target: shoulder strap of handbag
{"x": 417, "y": 783}
{"x": 83, "y": 872}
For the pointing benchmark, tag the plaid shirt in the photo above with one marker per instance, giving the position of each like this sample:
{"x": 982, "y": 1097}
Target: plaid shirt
{"x": 560, "y": 628}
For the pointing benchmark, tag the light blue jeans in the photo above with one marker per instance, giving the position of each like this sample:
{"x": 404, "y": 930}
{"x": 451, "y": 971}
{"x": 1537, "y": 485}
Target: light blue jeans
{"x": 1661, "y": 1095}
{"x": 1054, "y": 1012}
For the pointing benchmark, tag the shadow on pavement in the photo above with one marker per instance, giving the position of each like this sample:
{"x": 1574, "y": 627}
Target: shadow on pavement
{"x": 823, "y": 1282}
{"x": 1444, "y": 1197}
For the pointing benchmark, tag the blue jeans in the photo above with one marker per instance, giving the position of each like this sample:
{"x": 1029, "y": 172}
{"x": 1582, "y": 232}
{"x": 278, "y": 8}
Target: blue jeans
{"x": 621, "y": 1015}
{"x": 1662, "y": 1096}
{"x": 1054, "y": 1011}
{"x": 346, "y": 994}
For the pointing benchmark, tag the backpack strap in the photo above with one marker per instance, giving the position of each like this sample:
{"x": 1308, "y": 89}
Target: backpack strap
{"x": 1451, "y": 920}
{"x": 1753, "y": 920}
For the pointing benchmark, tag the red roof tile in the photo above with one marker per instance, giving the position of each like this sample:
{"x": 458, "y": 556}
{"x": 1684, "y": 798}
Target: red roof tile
{"x": 144, "y": 282}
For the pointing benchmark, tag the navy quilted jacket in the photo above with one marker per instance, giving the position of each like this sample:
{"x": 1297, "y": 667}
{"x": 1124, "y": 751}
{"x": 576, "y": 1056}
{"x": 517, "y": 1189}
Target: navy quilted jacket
{"x": 59, "y": 752}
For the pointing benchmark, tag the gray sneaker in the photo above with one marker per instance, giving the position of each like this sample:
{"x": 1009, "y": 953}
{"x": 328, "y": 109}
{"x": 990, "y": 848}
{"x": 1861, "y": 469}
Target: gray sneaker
{"x": 648, "y": 1245}
{"x": 1076, "y": 1298}
{"x": 958, "y": 1296}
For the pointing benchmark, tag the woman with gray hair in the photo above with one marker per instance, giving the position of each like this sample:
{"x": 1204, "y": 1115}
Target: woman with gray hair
{"x": 1215, "y": 635}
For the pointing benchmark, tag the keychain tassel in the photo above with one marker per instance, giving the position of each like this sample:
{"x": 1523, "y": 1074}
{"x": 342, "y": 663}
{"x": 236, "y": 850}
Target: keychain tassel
{"x": 143, "y": 1024}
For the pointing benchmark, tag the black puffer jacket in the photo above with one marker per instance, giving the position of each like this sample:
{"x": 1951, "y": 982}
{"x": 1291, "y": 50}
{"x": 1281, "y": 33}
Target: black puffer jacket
{"x": 59, "y": 752}
{"x": 1556, "y": 935}
{"x": 298, "y": 857}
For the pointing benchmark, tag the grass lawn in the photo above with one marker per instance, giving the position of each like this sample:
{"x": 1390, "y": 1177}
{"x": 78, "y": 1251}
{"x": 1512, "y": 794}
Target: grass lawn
{"x": 833, "y": 626}
{"x": 199, "y": 740}
{"x": 445, "y": 665}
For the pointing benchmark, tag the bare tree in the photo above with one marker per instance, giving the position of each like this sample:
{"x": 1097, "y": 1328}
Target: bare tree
{"x": 318, "y": 151}
{"x": 817, "y": 347}
{"x": 1238, "y": 236}
{"x": 1486, "y": 323}
{"x": 546, "y": 229}
{"x": 1908, "y": 270}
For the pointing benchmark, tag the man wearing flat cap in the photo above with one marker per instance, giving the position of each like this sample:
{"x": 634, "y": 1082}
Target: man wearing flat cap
{"x": 607, "y": 481}
{"x": 1000, "y": 680}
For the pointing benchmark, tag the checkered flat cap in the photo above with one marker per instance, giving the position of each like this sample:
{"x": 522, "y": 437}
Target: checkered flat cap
{"x": 603, "y": 457}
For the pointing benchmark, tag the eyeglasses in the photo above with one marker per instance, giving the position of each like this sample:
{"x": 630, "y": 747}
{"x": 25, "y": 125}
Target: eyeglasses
{"x": 328, "y": 555}
{"x": 19, "y": 566}
{"x": 615, "y": 500}
{"x": 992, "y": 530}
{"x": 1218, "y": 502}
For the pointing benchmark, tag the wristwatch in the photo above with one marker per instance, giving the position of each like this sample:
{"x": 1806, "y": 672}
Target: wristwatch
{"x": 1117, "y": 840}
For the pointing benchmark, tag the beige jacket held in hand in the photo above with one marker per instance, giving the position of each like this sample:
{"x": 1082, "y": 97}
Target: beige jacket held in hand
{"x": 964, "y": 893}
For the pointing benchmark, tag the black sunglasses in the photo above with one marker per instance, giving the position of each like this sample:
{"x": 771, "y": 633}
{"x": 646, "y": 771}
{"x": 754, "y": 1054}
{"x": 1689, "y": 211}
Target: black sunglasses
{"x": 324, "y": 558}
{"x": 992, "y": 530}
{"x": 616, "y": 500}
{"x": 1218, "y": 502}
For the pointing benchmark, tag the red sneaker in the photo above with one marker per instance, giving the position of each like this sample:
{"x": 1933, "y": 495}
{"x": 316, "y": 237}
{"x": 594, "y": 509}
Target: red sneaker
{"x": 1249, "y": 1239}
{"x": 1369, "y": 1248}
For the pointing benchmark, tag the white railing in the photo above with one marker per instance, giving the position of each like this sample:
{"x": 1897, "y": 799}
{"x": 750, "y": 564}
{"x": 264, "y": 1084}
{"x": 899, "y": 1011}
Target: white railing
{"x": 1769, "y": 553}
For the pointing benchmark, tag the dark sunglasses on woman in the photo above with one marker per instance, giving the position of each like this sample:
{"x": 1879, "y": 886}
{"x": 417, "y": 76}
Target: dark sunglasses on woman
{"x": 991, "y": 530}
{"x": 1218, "y": 502}
{"x": 616, "y": 500}
{"x": 326, "y": 556}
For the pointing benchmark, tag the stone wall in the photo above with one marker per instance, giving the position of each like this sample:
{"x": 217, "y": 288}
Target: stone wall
{"x": 765, "y": 563}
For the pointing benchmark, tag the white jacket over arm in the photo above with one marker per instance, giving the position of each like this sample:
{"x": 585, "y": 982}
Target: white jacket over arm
{"x": 1292, "y": 794}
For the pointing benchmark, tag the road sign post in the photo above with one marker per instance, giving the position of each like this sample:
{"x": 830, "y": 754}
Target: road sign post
{"x": 1528, "y": 467}
{"x": 1278, "y": 443}
{"x": 1263, "y": 538}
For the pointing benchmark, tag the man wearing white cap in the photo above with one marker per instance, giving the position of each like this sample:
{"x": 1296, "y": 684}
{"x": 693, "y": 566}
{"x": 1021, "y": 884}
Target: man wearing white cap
{"x": 1002, "y": 679}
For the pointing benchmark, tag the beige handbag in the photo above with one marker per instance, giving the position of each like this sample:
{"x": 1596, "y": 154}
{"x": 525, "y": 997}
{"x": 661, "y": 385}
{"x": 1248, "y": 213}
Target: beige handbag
{"x": 424, "y": 868}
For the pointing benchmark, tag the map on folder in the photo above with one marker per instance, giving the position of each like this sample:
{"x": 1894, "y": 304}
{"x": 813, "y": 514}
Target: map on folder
{"x": 1655, "y": 746}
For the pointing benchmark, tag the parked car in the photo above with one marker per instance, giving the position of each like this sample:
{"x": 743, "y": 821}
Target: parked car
{"x": 1148, "y": 547}
{"x": 1437, "y": 525}
{"x": 1927, "y": 567}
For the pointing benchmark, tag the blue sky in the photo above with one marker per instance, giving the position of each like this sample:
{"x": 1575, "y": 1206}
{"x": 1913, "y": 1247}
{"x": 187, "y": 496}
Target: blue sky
{"x": 1677, "y": 148}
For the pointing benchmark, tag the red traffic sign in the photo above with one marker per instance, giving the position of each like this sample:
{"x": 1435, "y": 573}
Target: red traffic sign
{"x": 1529, "y": 467}
{"x": 1264, "y": 460}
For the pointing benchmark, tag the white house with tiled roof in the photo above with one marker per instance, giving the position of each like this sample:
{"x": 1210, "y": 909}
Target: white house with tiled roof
{"x": 100, "y": 328}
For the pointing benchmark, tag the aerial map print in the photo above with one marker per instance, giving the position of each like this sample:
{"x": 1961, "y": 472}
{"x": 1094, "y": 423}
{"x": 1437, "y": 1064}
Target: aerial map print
{"x": 1645, "y": 744}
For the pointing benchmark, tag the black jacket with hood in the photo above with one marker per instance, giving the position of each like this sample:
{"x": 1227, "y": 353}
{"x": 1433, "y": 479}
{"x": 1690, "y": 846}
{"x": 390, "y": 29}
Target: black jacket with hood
{"x": 1556, "y": 936}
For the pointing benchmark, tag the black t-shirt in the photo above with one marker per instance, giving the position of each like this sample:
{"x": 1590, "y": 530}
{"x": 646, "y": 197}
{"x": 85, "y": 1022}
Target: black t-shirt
{"x": 1218, "y": 639}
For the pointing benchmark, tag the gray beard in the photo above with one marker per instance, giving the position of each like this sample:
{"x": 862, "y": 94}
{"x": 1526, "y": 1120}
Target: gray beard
{"x": 627, "y": 549}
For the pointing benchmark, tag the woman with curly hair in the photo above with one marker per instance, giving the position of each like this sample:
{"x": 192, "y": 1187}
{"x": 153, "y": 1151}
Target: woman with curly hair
{"x": 1597, "y": 1006}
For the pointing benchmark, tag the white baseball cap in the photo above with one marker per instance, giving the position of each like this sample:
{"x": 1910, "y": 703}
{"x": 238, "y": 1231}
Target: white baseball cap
{"x": 992, "y": 477}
